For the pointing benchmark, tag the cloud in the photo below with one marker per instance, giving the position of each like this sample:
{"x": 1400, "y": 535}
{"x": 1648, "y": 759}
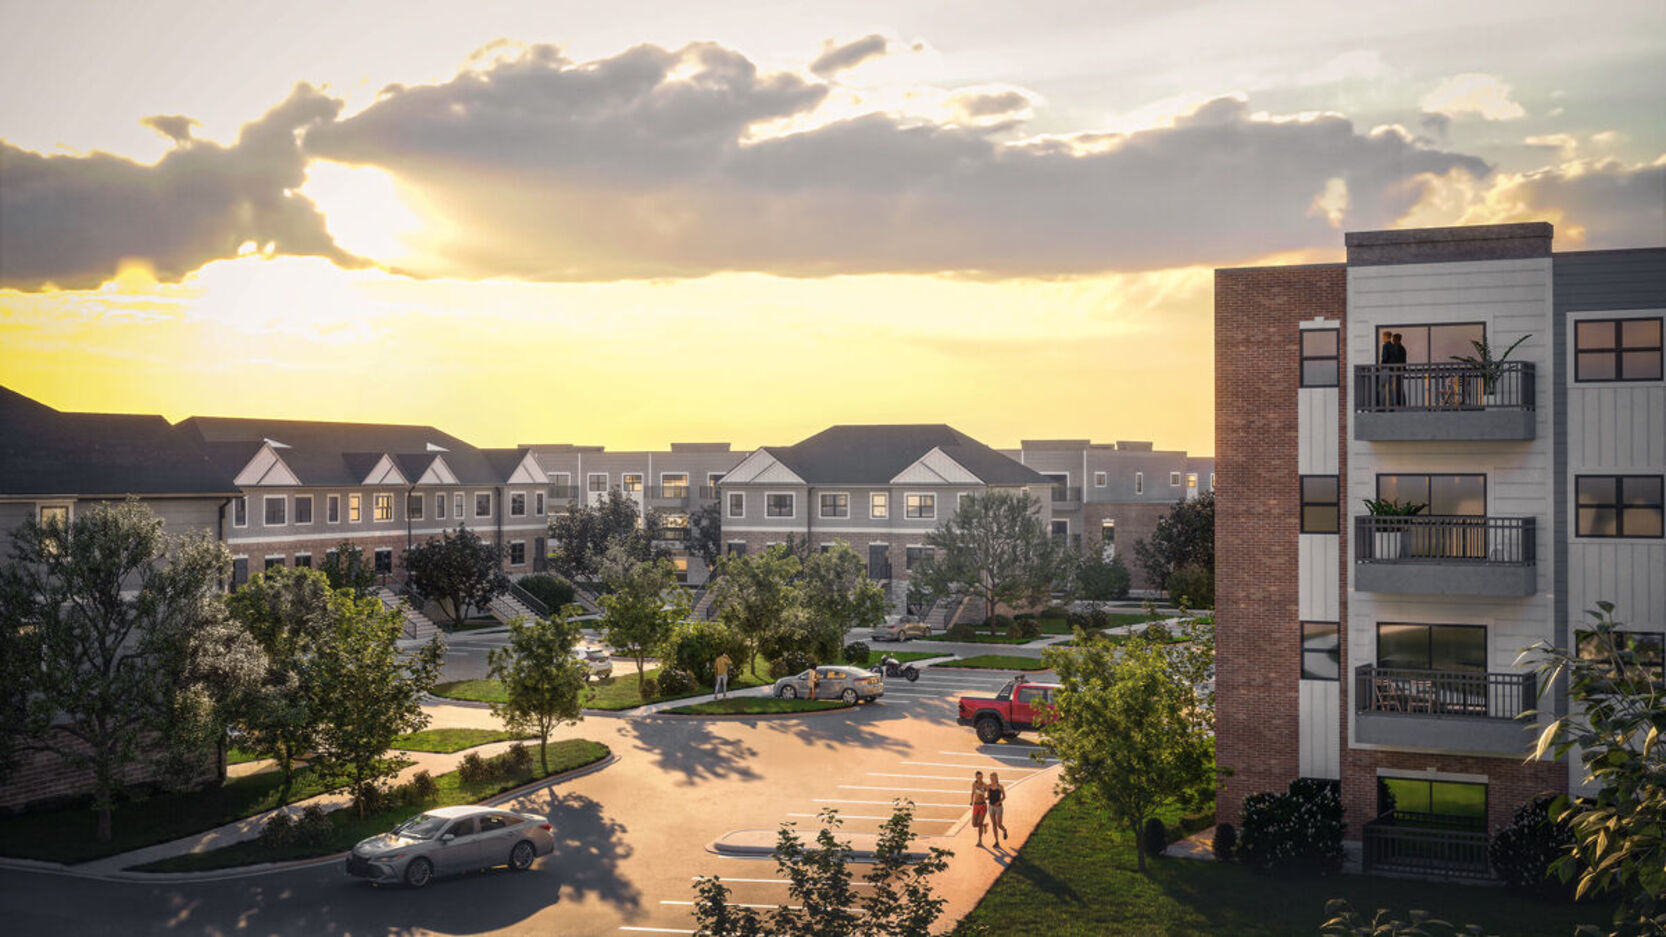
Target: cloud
{"x": 72, "y": 220}
{"x": 983, "y": 105}
{"x": 1595, "y": 204}
{"x": 175, "y": 127}
{"x": 1486, "y": 96}
{"x": 837, "y": 58}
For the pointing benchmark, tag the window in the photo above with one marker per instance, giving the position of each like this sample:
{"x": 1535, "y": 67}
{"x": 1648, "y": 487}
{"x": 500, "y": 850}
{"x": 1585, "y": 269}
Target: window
{"x": 712, "y": 478}
{"x": 735, "y": 548}
{"x": 1107, "y": 539}
{"x": 1432, "y": 647}
{"x": 1321, "y": 650}
{"x": 1455, "y": 802}
{"x": 673, "y": 484}
{"x": 539, "y": 506}
{"x": 517, "y": 553}
{"x": 492, "y": 822}
{"x": 1435, "y": 344}
{"x": 383, "y": 506}
{"x": 920, "y": 507}
{"x": 457, "y": 505}
{"x": 273, "y": 562}
{"x": 879, "y": 505}
{"x": 1061, "y": 529}
{"x": 631, "y": 483}
{"x": 673, "y": 527}
{"x": 1139, "y": 483}
{"x": 276, "y": 510}
{"x": 598, "y": 482}
{"x": 1321, "y": 508}
{"x": 1211, "y": 481}
{"x": 354, "y": 503}
{"x": 240, "y": 512}
{"x": 332, "y": 509}
{"x": 1647, "y": 650}
{"x": 1618, "y": 505}
{"x": 54, "y": 515}
{"x": 384, "y": 560}
{"x": 778, "y": 505}
{"x": 737, "y": 504}
{"x": 1319, "y": 357}
{"x": 679, "y": 564}
{"x": 303, "y": 561}
{"x": 239, "y": 571}
{"x": 414, "y": 504}
{"x": 960, "y": 499}
{"x": 1191, "y": 479}
{"x": 1617, "y": 350}
{"x": 562, "y": 482}
{"x": 1445, "y": 495}
{"x": 517, "y": 504}
{"x": 483, "y": 504}
{"x": 913, "y": 555}
{"x": 835, "y": 504}
{"x": 1098, "y": 479}
{"x": 439, "y": 506}
{"x": 1174, "y": 479}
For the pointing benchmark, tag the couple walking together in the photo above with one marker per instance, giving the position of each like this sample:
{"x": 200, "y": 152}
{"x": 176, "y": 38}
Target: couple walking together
{"x": 989, "y": 802}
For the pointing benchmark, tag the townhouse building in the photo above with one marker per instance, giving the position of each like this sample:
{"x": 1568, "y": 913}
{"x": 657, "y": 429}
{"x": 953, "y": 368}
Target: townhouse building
{"x": 1381, "y": 650}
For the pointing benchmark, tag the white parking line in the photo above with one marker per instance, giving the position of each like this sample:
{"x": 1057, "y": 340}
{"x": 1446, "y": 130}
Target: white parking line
{"x": 917, "y": 777}
{"x": 775, "y": 881}
{"x": 1016, "y": 745}
{"x": 852, "y": 816}
{"x": 911, "y": 790}
{"x": 690, "y": 904}
{"x": 656, "y": 930}
{"x": 878, "y": 803}
{"x": 967, "y": 767}
{"x": 1045, "y": 761}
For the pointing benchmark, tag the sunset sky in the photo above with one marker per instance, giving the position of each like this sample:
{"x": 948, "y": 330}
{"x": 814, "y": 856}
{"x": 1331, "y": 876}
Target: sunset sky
{"x": 631, "y": 223}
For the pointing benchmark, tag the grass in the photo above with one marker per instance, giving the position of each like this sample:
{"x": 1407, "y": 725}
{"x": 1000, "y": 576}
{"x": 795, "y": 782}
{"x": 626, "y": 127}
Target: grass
{"x": 998, "y": 662}
{"x": 1077, "y": 877}
{"x": 613, "y": 694}
{"x": 70, "y": 834}
{"x": 349, "y": 827}
{"x": 1049, "y": 626}
{"x": 756, "y": 705}
{"x": 447, "y": 741}
{"x": 476, "y": 691}
{"x": 237, "y": 756}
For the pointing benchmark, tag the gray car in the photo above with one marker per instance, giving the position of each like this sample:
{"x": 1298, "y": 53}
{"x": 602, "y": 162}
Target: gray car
{"x": 900, "y": 630}
{"x": 834, "y": 682}
{"x": 447, "y": 840}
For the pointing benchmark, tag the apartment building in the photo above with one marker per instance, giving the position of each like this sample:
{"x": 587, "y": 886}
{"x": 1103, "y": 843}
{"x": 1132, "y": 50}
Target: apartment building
{"x": 1382, "y": 651}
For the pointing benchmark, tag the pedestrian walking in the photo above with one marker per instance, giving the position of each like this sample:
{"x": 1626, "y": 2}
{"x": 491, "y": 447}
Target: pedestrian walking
{"x": 980, "y": 805}
{"x": 996, "y": 795}
{"x": 720, "y": 668}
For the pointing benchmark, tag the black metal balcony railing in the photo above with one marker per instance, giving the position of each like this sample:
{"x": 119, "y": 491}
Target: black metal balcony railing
{"x": 1495, "y": 541}
{"x": 1426, "y": 844}
{"x": 564, "y": 491}
{"x": 672, "y": 534}
{"x": 708, "y": 492}
{"x": 1454, "y": 386}
{"x": 668, "y": 492}
{"x": 1067, "y": 493}
{"x": 1443, "y": 692}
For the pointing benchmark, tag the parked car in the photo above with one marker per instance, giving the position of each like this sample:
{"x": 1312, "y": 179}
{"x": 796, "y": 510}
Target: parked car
{"x": 903, "y": 630}
{"x": 850, "y": 684}
{"x": 600, "y": 661}
{"x": 1017, "y": 707}
{"x": 447, "y": 840}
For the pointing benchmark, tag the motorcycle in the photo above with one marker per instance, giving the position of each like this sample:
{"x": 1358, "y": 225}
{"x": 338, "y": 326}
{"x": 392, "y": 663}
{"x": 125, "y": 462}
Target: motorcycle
{"x": 889, "y": 667}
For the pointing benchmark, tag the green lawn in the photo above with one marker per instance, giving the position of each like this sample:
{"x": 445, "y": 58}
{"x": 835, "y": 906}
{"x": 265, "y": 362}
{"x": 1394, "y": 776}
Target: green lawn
{"x": 997, "y": 662}
{"x": 1077, "y": 877}
{"x": 70, "y": 834}
{"x": 984, "y": 637}
{"x": 451, "y": 740}
{"x": 237, "y": 756}
{"x": 903, "y": 657}
{"x": 615, "y": 693}
{"x": 478, "y": 691}
{"x": 756, "y": 705}
{"x": 350, "y": 828}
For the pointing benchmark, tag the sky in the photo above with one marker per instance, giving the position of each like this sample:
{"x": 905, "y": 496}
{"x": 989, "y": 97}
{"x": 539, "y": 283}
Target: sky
{"x": 634, "y": 223}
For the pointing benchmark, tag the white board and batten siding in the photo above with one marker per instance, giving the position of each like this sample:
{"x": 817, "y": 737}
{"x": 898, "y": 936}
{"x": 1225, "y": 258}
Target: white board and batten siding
{"x": 1319, "y": 599}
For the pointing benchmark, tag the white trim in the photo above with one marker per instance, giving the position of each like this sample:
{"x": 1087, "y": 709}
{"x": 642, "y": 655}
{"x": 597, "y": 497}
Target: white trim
{"x": 510, "y": 559}
{"x": 923, "y": 494}
{"x": 541, "y": 503}
{"x": 440, "y": 498}
{"x": 1319, "y": 322}
{"x": 512, "y": 496}
{"x": 625, "y": 484}
{"x": 565, "y": 482}
{"x": 385, "y": 472}
{"x": 421, "y": 501}
{"x": 728, "y": 504}
{"x": 264, "y": 513}
{"x": 821, "y": 509}
{"x": 68, "y": 506}
{"x": 527, "y": 472}
{"x": 476, "y": 515}
{"x": 1433, "y": 775}
{"x": 686, "y": 481}
{"x": 794, "y": 502}
{"x": 588, "y": 489}
{"x": 762, "y": 468}
{"x": 1100, "y": 479}
{"x": 332, "y": 499}
{"x": 244, "y": 501}
{"x": 885, "y": 513}
{"x": 296, "y": 561}
{"x": 312, "y": 510}
{"x": 457, "y": 506}
{"x": 799, "y": 528}
{"x": 1174, "y": 479}
{"x": 960, "y": 500}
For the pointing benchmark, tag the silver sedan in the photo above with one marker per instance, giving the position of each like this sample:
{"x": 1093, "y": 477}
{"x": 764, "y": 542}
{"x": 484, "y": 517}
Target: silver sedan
{"x": 900, "y": 631}
{"x": 832, "y": 682}
{"x": 447, "y": 840}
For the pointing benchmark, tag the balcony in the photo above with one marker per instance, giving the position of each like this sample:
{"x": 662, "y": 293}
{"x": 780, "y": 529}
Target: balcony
{"x": 673, "y": 494}
{"x": 564, "y": 492}
{"x": 1446, "y": 555}
{"x": 1423, "y": 402}
{"x": 708, "y": 493}
{"x": 1451, "y": 710}
{"x": 1067, "y": 497}
{"x": 1426, "y": 844}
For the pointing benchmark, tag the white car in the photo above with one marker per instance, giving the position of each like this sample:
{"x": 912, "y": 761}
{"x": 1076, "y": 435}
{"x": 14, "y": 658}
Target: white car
{"x": 598, "y": 659}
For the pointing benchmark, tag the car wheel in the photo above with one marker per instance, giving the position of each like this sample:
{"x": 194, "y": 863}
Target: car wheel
{"x": 989, "y": 730}
{"x": 849, "y": 696}
{"x": 520, "y": 858}
{"x": 788, "y": 692}
{"x": 419, "y": 872}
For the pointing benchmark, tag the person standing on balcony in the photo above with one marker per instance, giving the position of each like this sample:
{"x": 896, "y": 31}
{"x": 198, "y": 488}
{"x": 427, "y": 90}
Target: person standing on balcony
{"x": 1385, "y": 381}
{"x": 1399, "y": 365}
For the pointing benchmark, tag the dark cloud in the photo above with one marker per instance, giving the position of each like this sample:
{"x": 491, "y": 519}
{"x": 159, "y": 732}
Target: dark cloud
{"x": 977, "y": 105}
{"x": 1615, "y": 205}
{"x": 1434, "y": 125}
{"x": 835, "y": 58}
{"x": 175, "y": 127}
{"x": 71, "y": 220}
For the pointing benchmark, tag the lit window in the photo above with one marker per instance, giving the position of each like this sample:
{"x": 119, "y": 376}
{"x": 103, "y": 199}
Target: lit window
{"x": 919, "y": 507}
{"x": 674, "y": 485}
{"x": 632, "y": 483}
{"x": 384, "y": 506}
{"x": 879, "y": 505}
{"x": 1617, "y": 350}
{"x": 354, "y": 504}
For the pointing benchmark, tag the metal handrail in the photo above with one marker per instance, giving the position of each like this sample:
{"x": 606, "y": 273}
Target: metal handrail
{"x": 1446, "y": 538}
{"x": 1414, "y": 847}
{"x": 1441, "y": 387}
{"x": 533, "y": 604}
{"x": 1443, "y": 692}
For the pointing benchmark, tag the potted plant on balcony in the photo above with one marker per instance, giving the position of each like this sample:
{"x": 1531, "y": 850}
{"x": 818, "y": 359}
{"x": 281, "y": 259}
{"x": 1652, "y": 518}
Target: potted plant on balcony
{"x": 1490, "y": 369}
{"x": 1387, "y": 543}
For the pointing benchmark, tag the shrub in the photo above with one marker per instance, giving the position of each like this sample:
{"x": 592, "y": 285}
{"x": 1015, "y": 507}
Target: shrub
{"x": 857, "y": 652}
{"x": 278, "y": 830}
{"x": 473, "y": 769}
{"x": 998, "y": 622}
{"x": 693, "y": 646}
{"x": 423, "y": 787}
{"x": 962, "y": 631}
{"x": 1195, "y": 585}
{"x": 1297, "y": 832}
{"x": 676, "y": 682}
{"x": 649, "y": 688}
{"x": 1024, "y": 616}
{"x": 314, "y": 828}
{"x": 1226, "y": 840}
{"x": 789, "y": 663}
{"x": 517, "y": 759}
{"x": 1155, "y": 838}
{"x": 1055, "y": 611}
{"x": 549, "y": 589}
{"x": 374, "y": 797}
{"x": 1523, "y": 851}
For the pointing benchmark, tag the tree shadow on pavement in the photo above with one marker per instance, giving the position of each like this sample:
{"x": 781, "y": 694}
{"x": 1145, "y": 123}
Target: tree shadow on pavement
{"x": 863, "y": 728}
{"x": 589, "y": 847}
{"x": 689, "y": 748}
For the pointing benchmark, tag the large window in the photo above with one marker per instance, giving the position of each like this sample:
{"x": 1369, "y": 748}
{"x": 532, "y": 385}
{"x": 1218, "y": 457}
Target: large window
{"x": 1321, "y": 508}
{"x": 1618, "y": 505}
{"x": 1445, "y": 495}
{"x": 1435, "y": 344}
{"x": 355, "y": 508}
{"x": 1617, "y": 350}
{"x": 920, "y": 506}
{"x": 303, "y": 509}
{"x": 778, "y": 505}
{"x": 912, "y": 555}
{"x": 835, "y": 504}
{"x": 879, "y": 505}
{"x": 1646, "y": 650}
{"x": 1454, "y": 802}
{"x": 673, "y": 484}
{"x": 384, "y": 506}
{"x": 1432, "y": 647}
{"x": 517, "y": 504}
{"x": 1319, "y": 357}
{"x": 737, "y": 504}
{"x": 414, "y": 505}
{"x": 1321, "y": 650}
{"x": 483, "y": 504}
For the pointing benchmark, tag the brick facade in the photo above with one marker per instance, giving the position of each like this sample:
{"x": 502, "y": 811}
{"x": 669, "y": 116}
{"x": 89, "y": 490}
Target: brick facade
{"x": 1135, "y": 520}
{"x": 1510, "y": 782}
{"x": 42, "y": 778}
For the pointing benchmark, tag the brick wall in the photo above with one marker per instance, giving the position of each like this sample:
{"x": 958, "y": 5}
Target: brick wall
{"x": 1135, "y": 520}
{"x": 1509, "y": 781}
{"x": 42, "y": 777}
{"x": 1257, "y": 637}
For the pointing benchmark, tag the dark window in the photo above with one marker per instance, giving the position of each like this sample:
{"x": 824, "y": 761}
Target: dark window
{"x": 277, "y": 510}
{"x": 1432, "y": 647}
{"x": 737, "y": 504}
{"x": 492, "y": 822}
{"x": 1647, "y": 651}
{"x": 1321, "y": 650}
{"x": 913, "y": 555}
{"x": 1032, "y": 694}
{"x": 517, "y": 553}
{"x": 463, "y": 827}
{"x": 274, "y": 562}
{"x": 439, "y": 506}
{"x": 1617, "y": 349}
{"x": 239, "y": 512}
{"x": 1446, "y": 802}
{"x": 414, "y": 504}
{"x": 303, "y": 509}
{"x": 835, "y": 505}
{"x": 239, "y": 571}
{"x": 1619, "y": 505}
{"x": 1319, "y": 357}
{"x": 1060, "y": 529}
{"x": 1444, "y": 495}
{"x": 778, "y": 505}
{"x": 303, "y": 561}
{"x": 1321, "y": 510}
{"x": 598, "y": 482}
{"x": 332, "y": 509}
{"x": 538, "y": 504}
{"x": 384, "y": 561}
{"x": 736, "y": 548}
{"x": 517, "y": 504}
{"x": 483, "y": 504}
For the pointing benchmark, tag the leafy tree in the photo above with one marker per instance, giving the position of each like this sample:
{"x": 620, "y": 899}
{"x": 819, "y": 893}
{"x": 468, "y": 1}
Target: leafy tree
{"x": 995, "y": 547}
{"x": 288, "y": 613}
{"x": 756, "y": 595}
{"x": 138, "y": 662}
{"x": 898, "y": 903}
{"x": 837, "y": 595}
{"x": 1616, "y": 723}
{"x": 556, "y": 593}
{"x": 346, "y": 568}
{"x": 458, "y": 570}
{"x": 540, "y": 677}
{"x": 581, "y": 537}
{"x": 1185, "y": 536}
{"x": 643, "y": 603}
{"x": 1124, "y": 728}
{"x": 1102, "y": 580}
{"x": 367, "y": 693}
{"x": 705, "y": 533}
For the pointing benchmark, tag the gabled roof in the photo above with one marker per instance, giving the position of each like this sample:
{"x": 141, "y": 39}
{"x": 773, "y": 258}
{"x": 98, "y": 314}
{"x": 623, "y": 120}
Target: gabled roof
{"x": 346, "y": 454}
{"x": 44, "y": 451}
{"x": 877, "y": 455}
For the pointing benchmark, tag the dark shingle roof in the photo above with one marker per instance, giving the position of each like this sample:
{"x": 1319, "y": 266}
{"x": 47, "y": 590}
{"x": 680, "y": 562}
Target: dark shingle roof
{"x": 342, "y": 453}
{"x": 47, "y": 452}
{"x": 873, "y": 455}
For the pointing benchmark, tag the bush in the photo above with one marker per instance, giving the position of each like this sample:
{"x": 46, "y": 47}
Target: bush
{"x": 693, "y": 646}
{"x": 789, "y": 663}
{"x": 1195, "y": 585}
{"x": 1298, "y": 832}
{"x": 857, "y": 652}
{"x": 1024, "y": 616}
{"x": 998, "y": 622}
{"x": 1055, "y": 611}
{"x": 314, "y": 828}
{"x": 962, "y": 631}
{"x": 549, "y": 589}
{"x": 374, "y": 797}
{"x": 279, "y": 830}
{"x": 473, "y": 769}
{"x": 676, "y": 682}
{"x": 649, "y": 688}
{"x": 423, "y": 787}
{"x": 517, "y": 759}
{"x": 1027, "y": 628}
{"x": 1155, "y": 838}
{"x": 1523, "y": 851}
{"x": 1226, "y": 840}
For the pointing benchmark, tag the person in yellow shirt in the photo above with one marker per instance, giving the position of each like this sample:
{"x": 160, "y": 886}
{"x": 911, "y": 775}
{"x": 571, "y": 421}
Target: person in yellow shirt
{"x": 720, "y": 667}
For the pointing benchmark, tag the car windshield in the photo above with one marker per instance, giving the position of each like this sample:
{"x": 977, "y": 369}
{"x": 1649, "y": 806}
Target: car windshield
{"x": 421, "y": 826}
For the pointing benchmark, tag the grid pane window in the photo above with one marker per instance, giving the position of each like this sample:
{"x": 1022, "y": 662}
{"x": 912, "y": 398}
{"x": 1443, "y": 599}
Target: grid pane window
{"x": 332, "y": 509}
{"x": 1647, "y": 651}
{"x": 517, "y": 504}
{"x": 483, "y": 504}
{"x": 303, "y": 509}
{"x": 912, "y": 555}
{"x": 879, "y": 505}
{"x": 1617, "y": 349}
{"x": 835, "y": 505}
{"x": 674, "y": 486}
{"x": 737, "y": 504}
{"x": 1321, "y": 650}
{"x": 920, "y": 506}
{"x": 384, "y": 507}
{"x": 778, "y": 505}
{"x": 355, "y": 508}
{"x": 1321, "y": 506}
{"x": 277, "y": 510}
{"x": 239, "y": 512}
{"x": 1619, "y": 505}
{"x": 517, "y": 553}
{"x": 632, "y": 483}
{"x": 598, "y": 483}
{"x": 414, "y": 504}
{"x": 1319, "y": 357}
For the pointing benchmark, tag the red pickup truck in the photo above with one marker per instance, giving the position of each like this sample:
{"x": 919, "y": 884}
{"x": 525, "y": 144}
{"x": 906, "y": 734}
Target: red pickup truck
{"x": 1019, "y": 706}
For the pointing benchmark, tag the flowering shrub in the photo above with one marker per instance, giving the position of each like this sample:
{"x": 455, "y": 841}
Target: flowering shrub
{"x": 1298, "y": 832}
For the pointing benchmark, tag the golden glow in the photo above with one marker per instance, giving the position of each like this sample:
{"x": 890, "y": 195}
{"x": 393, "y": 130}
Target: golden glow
{"x": 368, "y": 213}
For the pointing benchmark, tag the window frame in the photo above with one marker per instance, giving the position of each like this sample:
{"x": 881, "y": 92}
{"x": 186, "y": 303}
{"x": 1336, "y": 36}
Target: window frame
{"x": 916, "y": 513}
{"x": 663, "y": 485}
{"x": 879, "y": 505}
{"x": 840, "y": 498}
{"x": 1303, "y": 503}
{"x": 240, "y": 507}
{"x": 457, "y": 506}
{"x": 376, "y": 561}
{"x": 512, "y": 545}
{"x": 355, "y": 507}
{"x": 1335, "y": 358}
{"x": 378, "y": 500}
{"x": 1486, "y": 489}
{"x": 295, "y": 511}
{"x": 1583, "y": 635}
{"x": 1618, "y": 506}
{"x": 1101, "y": 479}
{"x": 302, "y": 556}
{"x": 625, "y": 480}
{"x": 729, "y": 504}
{"x": 1619, "y": 349}
{"x": 913, "y": 553}
{"x": 540, "y": 504}
{"x": 519, "y": 496}
{"x": 1333, "y": 654}
{"x": 590, "y": 483}
{"x": 1139, "y": 483}
{"x": 1174, "y": 479}
{"x": 440, "y": 499}
{"x": 792, "y": 504}
{"x": 419, "y": 502}
{"x": 332, "y": 508}
{"x": 1486, "y": 642}
{"x": 477, "y": 512}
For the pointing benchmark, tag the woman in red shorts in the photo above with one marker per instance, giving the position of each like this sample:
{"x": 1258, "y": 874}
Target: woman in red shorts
{"x": 980, "y": 805}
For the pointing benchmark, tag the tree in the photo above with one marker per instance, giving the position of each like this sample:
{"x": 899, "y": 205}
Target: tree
{"x": 1183, "y": 537}
{"x": 288, "y": 613}
{"x": 541, "y": 680}
{"x": 705, "y": 533}
{"x": 458, "y": 570}
{"x": 898, "y": 903}
{"x": 643, "y": 603}
{"x": 1124, "y": 728}
{"x": 346, "y": 568}
{"x": 1102, "y": 580}
{"x": 581, "y": 537}
{"x": 995, "y": 547}
{"x": 138, "y": 662}
{"x": 755, "y": 595}
{"x": 366, "y": 693}
{"x": 1616, "y": 723}
{"x": 837, "y": 595}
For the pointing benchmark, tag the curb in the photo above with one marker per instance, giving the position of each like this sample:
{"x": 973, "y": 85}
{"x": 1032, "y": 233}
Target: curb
{"x": 735, "y": 717}
{"x": 747, "y": 851}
